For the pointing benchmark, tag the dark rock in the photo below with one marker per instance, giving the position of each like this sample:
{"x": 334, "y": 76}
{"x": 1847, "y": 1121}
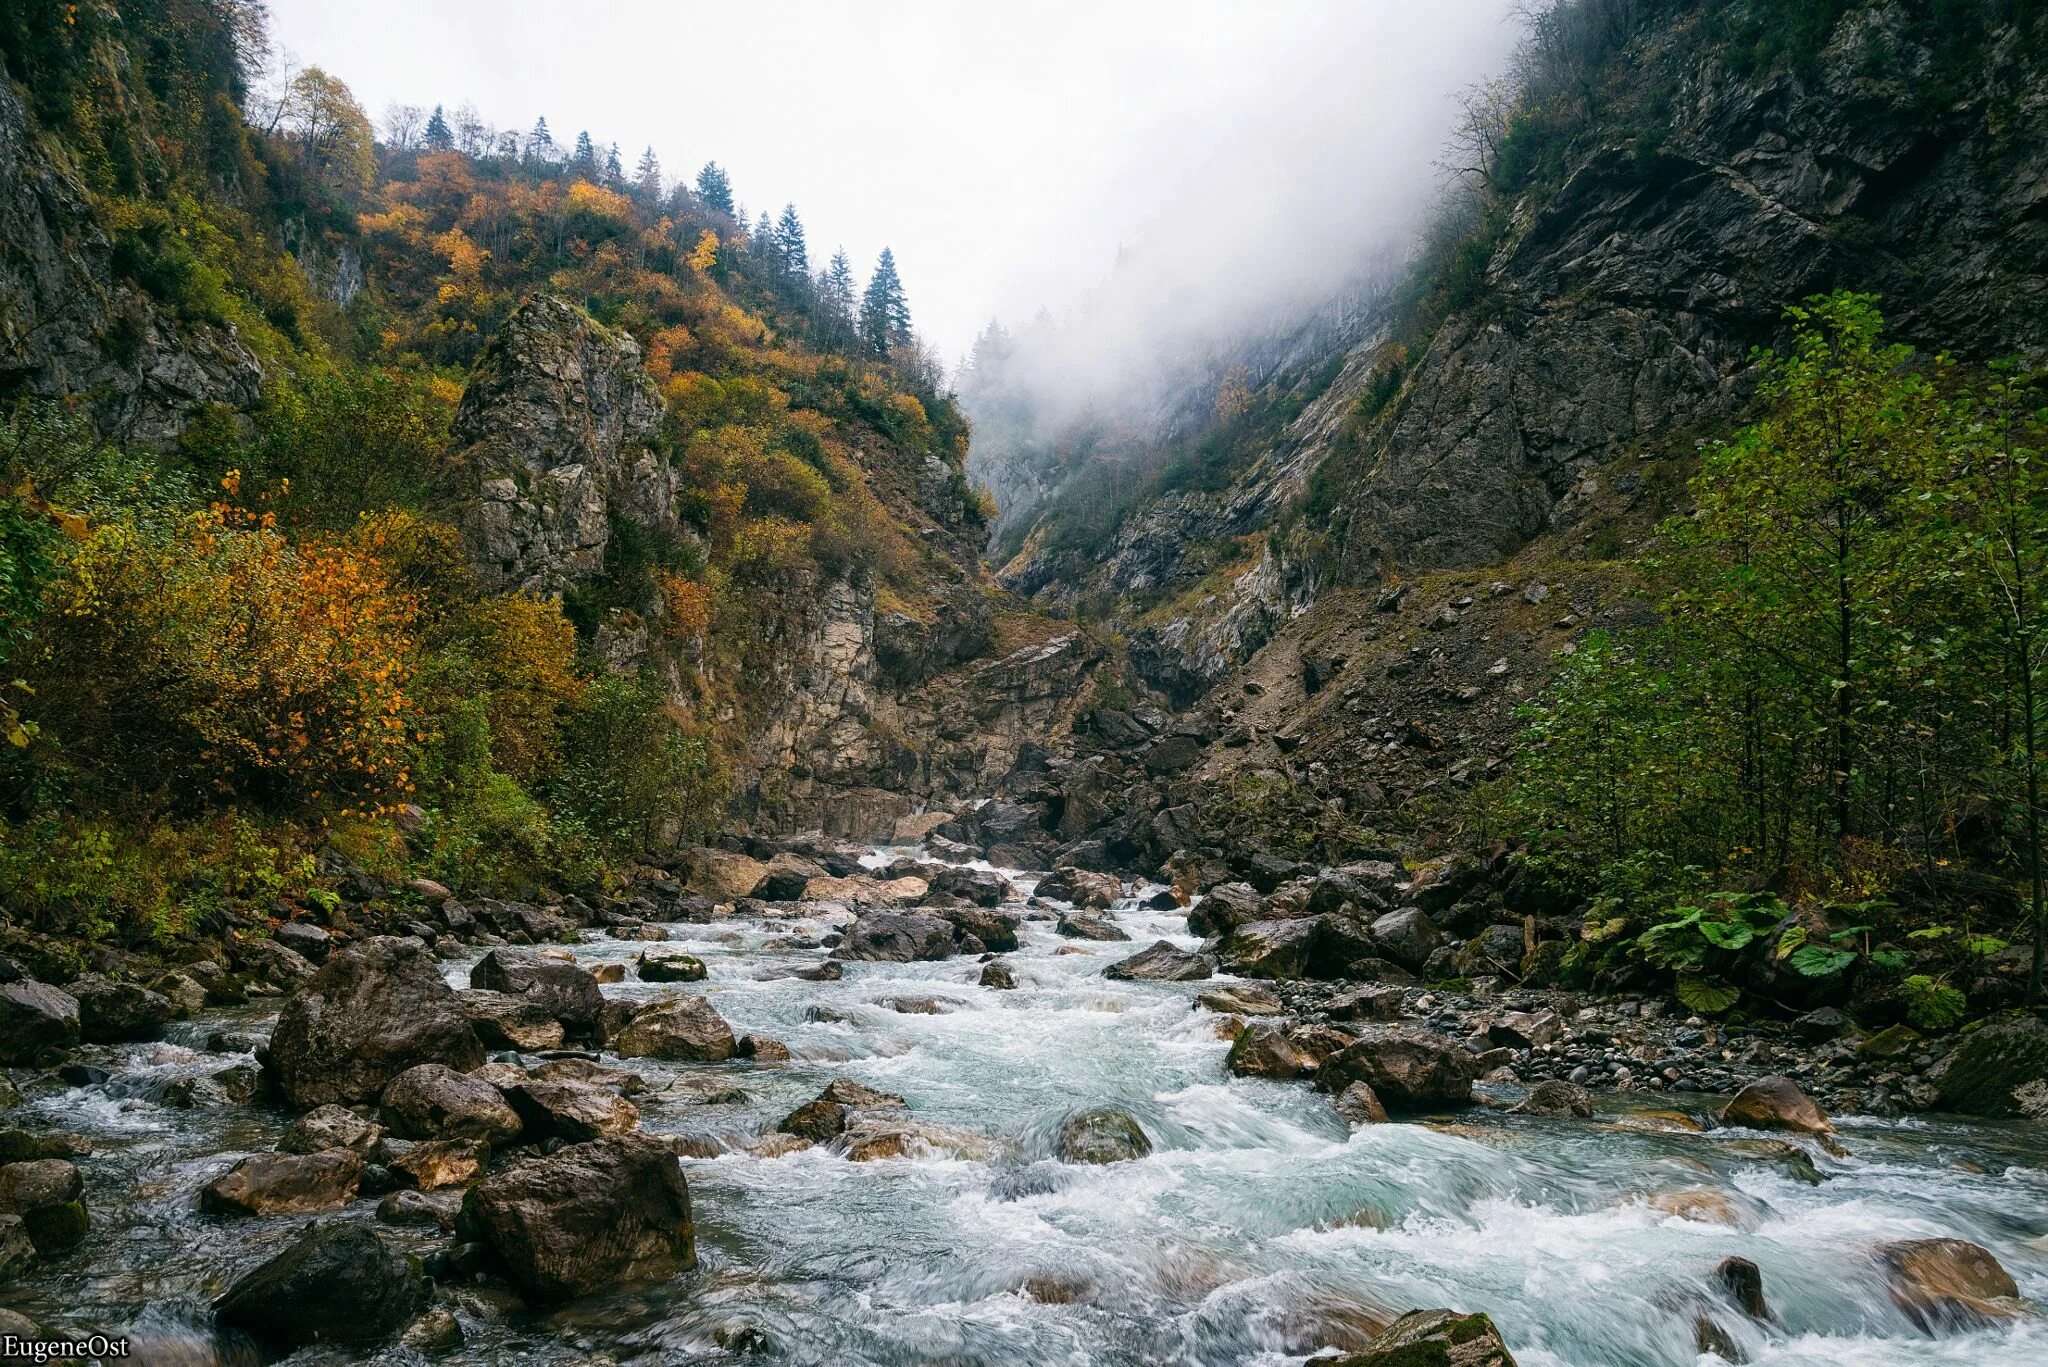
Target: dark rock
{"x": 1525, "y": 1029}
{"x": 1743, "y": 1281}
{"x": 996, "y": 974}
{"x": 1442, "y": 882}
{"x": 585, "y": 1217}
{"x": 1819, "y": 1027}
{"x": 1104, "y": 1134}
{"x": 1495, "y": 950}
{"x": 572, "y": 1111}
{"x": 374, "y": 1010}
{"x": 412, "y": 1207}
{"x": 285, "y": 1184}
{"x": 1264, "y": 1050}
{"x": 37, "y": 1022}
{"x": 1360, "y": 1105}
{"x": 1554, "y": 1097}
{"x": 1407, "y": 1069}
{"x": 1990, "y": 1064}
{"x": 1079, "y": 927}
{"x": 1373, "y": 1002}
{"x": 433, "y": 1164}
{"x": 1272, "y": 949}
{"x": 896, "y": 937}
{"x": 670, "y": 968}
{"x": 563, "y": 990}
{"x": 305, "y": 939}
{"x": 338, "y": 1283}
{"x": 1162, "y": 963}
{"x": 996, "y": 930}
{"x": 787, "y": 876}
{"x": 1407, "y": 936}
{"x": 681, "y": 1029}
{"x": 977, "y": 886}
{"x": 433, "y": 1101}
{"x": 110, "y": 1012}
{"x": 1080, "y": 888}
{"x": 503, "y": 1021}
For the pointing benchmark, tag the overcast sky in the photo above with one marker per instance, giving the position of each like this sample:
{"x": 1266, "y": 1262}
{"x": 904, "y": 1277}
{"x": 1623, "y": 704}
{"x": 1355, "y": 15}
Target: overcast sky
{"x": 1005, "y": 151}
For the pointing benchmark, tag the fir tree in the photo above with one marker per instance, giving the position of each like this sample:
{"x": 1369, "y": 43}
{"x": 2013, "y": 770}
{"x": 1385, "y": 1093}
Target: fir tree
{"x": 835, "y": 292}
{"x": 764, "y": 243}
{"x": 438, "y": 138}
{"x": 714, "y": 188}
{"x": 585, "y": 155}
{"x": 884, "y": 313}
{"x": 540, "y": 144}
{"x": 647, "y": 176}
{"x": 789, "y": 239}
{"x": 614, "y": 172}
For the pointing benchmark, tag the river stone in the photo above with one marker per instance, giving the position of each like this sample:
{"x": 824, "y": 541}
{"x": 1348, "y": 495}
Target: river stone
{"x": 1224, "y": 908}
{"x": 1525, "y": 1029}
{"x": 1948, "y": 1285}
{"x": 1434, "y": 1338}
{"x": 305, "y": 939}
{"x": 981, "y": 887}
{"x": 1743, "y": 1281}
{"x": 865, "y": 890}
{"x": 338, "y": 1283}
{"x": 997, "y": 930}
{"x": 503, "y": 1021}
{"x": 817, "y": 1120}
{"x": 434, "y": 1164}
{"x": 37, "y": 1022}
{"x": 329, "y": 1127}
{"x": 786, "y": 877}
{"x": 896, "y": 937}
{"x": 374, "y": 1010}
{"x": 573, "y": 1111}
{"x": 1080, "y": 888}
{"x": 1262, "y": 1049}
{"x": 1990, "y": 1064}
{"x": 995, "y": 973}
{"x": 36, "y": 1185}
{"x": 563, "y": 990}
{"x": 17, "y": 1250}
{"x": 11, "y": 1324}
{"x": 669, "y": 968}
{"x": 722, "y": 875}
{"x": 1162, "y": 963}
{"x": 1104, "y": 1134}
{"x": 1407, "y": 936}
{"x": 1776, "y": 1103}
{"x": 285, "y": 1184}
{"x": 265, "y": 960}
{"x": 111, "y": 1012}
{"x": 680, "y": 1029}
{"x": 1553, "y": 1096}
{"x": 408, "y": 1206}
{"x": 761, "y": 1049}
{"x": 436, "y": 1331}
{"x": 1408, "y": 1069}
{"x": 1360, "y": 1105}
{"x": 1079, "y": 927}
{"x": 1496, "y": 949}
{"x": 1372, "y": 1002}
{"x": 871, "y": 1138}
{"x": 1243, "y": 999}
{"x": 433, "y": 1101}
{"x": 585, "y": 1217}
{"x": 1273, "y": 949}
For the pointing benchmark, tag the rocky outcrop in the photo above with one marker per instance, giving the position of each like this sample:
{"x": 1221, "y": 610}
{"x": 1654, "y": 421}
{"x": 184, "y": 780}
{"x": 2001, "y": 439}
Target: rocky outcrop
{"x": 374, "y": 1010}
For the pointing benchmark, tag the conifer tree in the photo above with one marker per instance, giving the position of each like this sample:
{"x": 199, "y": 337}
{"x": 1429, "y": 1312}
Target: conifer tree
{"x": 614, "y": 171}
{"x": 585, "y": 155}
{"x": 764, "y": 243}
{"x": 438, "y": 137}
{"x": 789, "y": 240}
{"x": 647, "y": 176}
{"x": 835, "y": 295}
{"x": 714, "y": 188}
{"x": 540, "y": 144}
{"x": 884, "y": 313}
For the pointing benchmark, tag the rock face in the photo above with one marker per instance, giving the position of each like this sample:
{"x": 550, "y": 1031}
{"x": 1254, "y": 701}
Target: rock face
{"x": 338, "y": 1283}
{"x": 1406, "y": 1069}
{"x": 37, "y": 1022}
{"x": 556, "y": 433}
{"x": 585, "y": 1217}
{"x": 374, "y": 1010}
{"x": 1991, "y": 1064}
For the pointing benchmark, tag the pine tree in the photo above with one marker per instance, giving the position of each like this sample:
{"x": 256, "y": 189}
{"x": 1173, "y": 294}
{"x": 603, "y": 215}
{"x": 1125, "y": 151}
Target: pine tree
{"x": 647, "y": 176}
{"x": 714, "y": 188}
{"x": 614, "y": 171}
{"x": 585, "y": 155}
{"x": 789, "y": 238}
{"x": 540, "y": 144}
{"x": 438, "y": 138}
{"x": 835, "y": 293}
{"x": 884, "y": 313}
{"x": 764, "y": 243}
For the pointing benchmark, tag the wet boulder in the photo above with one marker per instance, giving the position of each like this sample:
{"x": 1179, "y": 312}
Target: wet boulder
{"x": 503, "y": 1021}
{"x": 338, "y": 1283}
{"x": 669, "y": 968}
{"x": 265, "y": 960}
{"x": 1434, "y": 1338}
{"x": 870, "y": 1138}
{"x": 1081, "y": 888}
{"x": 1273, "y": 949}
{"x": 1407, "y": 1070}
{"x": 285, "y": 1184}
{"x": 410, "y": 1206}
{"x": 1263, "y": 1049}
{"x": 1776, "y": 1103}
{"x": 585, "y": 1217}
{"x": 679, "y": 1029}
{"x": 1163, "y": 963}
{"x": 572, "y": 1111}
{"x": 1554, "y": 1096}
{"x": 1991, "y": 1064}
{"x": 1407, "y": 936}
{"x": 786, "y": 877}
{"x": 374, "y": 1010}
{"x": 1079, "y": 927}
{"x": 996, "y": 974}
{"x": 37, "y": 1022}
{"x": 330, "y": 1127}
{"x": 827, "y": 1115}
{"x": 1948, "y": 1285}
{"x": 111, "y": 1012}
{"x": 563, "y": 990}
{"x": 1103, "y": 1134}
{"x": 979, "y": 887}
{"x": 17, "y": 1250}
{"x": 1242, "y": 999}
{"x": 434, "y": 1164}
{"x": 47, "y": 1196}
{"x": 433, "y": 1101}
{"x": 1224, "y": 908}
{"x": 896, "y": 937}
{"x": 996, "y": 930}
{"x": 1358, "y": 1104}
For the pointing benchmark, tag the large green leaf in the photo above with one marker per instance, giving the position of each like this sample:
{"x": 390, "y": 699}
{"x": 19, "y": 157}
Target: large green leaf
{"x": 1707, "y": 998}
{"x": 1818, "y": 961}
{"x": 1728, "y": 935}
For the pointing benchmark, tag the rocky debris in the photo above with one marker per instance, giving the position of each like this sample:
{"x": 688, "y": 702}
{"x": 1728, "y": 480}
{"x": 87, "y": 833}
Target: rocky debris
{"x": 1407, "y": 1069}
{"x": 338, "y": 1283}
{"x": 1242, "y": 999}
{"x": 1079, "y": 927}
{"x": 1102, "y": 1134}
{"x": 1163, "y": 962}
{"x": 111, "y": 1012}
{"x": 433, "y": 1164}
{"x": 372, "y": 1011}
{"x": 572, "y": 1111}
{"x": 827, "y": 1116}
{"x": 669, "y": 968}
{"x": 1434, "y": 1338}
{"x": 1552, "y": 1097}
{"x": 563, "y": 990}
{"x": 680, "y": 1029}
{"x": 285, "y": 1184}
{"x": 786, "y": 877}
{"x": 37, "y": 1022}
{"x": 1222, "y": 909}
{"x": 1776, "y": 1103}
{"x": 1080, "y": 888}
{"x": 896, "y": 937}
{"x": 503, "y": 1021}
{"x": 1992, "y": 1064}
{"x": 585, "y": 1217}
{"x": 1358, "y": 1104}
{"x": 330, "y": 1127}
{"x": 1948, "y": 1285}
{"x": 995, "y": 973}
{"x": 1263, "y": 1049}
{"x": 864, "y": 890}
{"x": 1498, "y": 949}
{"x": 409, "y": 1206}
{"x": 433, "y": 1101}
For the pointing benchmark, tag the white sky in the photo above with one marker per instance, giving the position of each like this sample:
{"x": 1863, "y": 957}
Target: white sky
{"x": 1005, "y": 151}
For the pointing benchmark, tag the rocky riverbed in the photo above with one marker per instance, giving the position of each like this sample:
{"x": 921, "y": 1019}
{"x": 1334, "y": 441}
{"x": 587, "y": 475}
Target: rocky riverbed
{"x": 917, "y": 1108}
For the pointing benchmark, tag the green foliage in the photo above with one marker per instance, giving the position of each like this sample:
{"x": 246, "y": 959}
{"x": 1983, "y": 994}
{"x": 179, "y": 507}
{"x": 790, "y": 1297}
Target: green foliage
{"x": 1932, "y": 1004}
{"x": 628, "y": 770}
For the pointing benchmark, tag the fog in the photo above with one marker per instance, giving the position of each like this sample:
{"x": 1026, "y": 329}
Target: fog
{"x": 1240, "y": 157}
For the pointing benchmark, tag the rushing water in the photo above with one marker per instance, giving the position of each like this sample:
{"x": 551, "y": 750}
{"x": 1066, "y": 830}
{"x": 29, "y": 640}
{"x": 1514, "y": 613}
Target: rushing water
{"x": 1259, "y": 1230}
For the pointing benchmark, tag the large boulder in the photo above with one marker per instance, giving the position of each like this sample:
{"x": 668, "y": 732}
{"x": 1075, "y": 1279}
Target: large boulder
{"x": 724, "y": 876}
{"x": 503, "y": 1021}
{"x": 866, "y": 890}
{"x": 285, "y": 1184}
{"x": 330, "y": 1127}
{"x": 1407, "y": 936}
{"x": 433, "y": 1101}
{"x": 37, "y": 1022}
{"x": 997, "y": 930}
{"x": 1776, "y": 1103}
{"x": 110, "y": 1012}
{"x": 1273, "y": 949}
{"x": 1434, "y": 1338}
{"x": 1992, "y": 1063}
{"x": 338, "y": 1283}
{"x": 1080, "y": 888}
{"x": 1104, "y": 1134}
{"x": 585, "y": 1217}
{"x": 563, "y": 990}
{"x": 1947, "y": 1285}
{"x": 1263, "y": 1049}
{"x": 572, "y": 1111}
{"x": 786, "y": 876}
{"x": 896, "y": 937}
{"x": 1224, "y": 908}
{"x": 980, "y": 887}
{"x": 680, "y": 1029}
{"x": 1406, "y": 1069}
{"x": 373, "y": 1010}
{"x": 1163, "y": 963}
{"x": 1076, "y": 926}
